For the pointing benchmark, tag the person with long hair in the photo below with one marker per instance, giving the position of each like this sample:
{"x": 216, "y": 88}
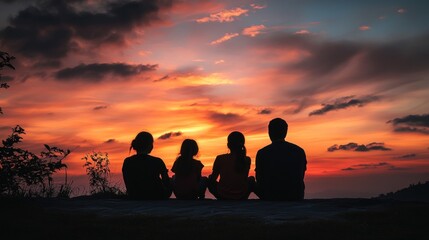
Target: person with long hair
{"x": 232, "y": 169}
{"x": 145, "y": 176}
{"x": 187, "y": 181}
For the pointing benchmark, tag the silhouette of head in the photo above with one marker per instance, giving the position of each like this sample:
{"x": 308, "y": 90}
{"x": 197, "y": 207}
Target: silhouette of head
{"x": 142, "y": 143}
{"x": 277, "y": 129}
{"x": 189, "y": 148}
{"x": 235, "y": 141}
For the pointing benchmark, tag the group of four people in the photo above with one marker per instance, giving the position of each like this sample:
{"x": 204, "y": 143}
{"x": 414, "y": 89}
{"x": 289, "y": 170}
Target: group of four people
{"x": 279, "y": 172}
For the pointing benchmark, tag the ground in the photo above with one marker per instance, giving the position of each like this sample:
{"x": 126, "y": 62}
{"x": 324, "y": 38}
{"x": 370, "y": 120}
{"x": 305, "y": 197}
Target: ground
{"x": 89, "y": 218}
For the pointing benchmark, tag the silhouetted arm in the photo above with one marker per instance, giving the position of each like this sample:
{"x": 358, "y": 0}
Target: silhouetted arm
{"x": 164, "y": 176}
{"x": 304, "y": 163}
{"x": 259, "y": 168}
{"x": 216, "y": 171}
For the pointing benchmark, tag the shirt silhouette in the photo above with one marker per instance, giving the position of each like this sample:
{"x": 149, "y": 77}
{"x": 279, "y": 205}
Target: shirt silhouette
{"x": 232, "y": 170}
{"x": 280, "y": 167}
{"x": 187, "y": 181}
{"x": 145, "y": 176}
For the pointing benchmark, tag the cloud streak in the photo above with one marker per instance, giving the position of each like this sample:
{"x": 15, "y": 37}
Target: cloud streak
{"x": 169, "y": 135}
{"x": 253, "y": 31}
{"x": 371, "y": 166}
{"x": 223, "y": 16}
{"x": 411, "y": 123}
{"x": 99, "y": 71}
{"x": 327, "y": 65}
{"x": 343, "y": 103}
{"x": 265, "y": 111}
{"x": 226, "y": 37}
{"x": 374, "y": 146}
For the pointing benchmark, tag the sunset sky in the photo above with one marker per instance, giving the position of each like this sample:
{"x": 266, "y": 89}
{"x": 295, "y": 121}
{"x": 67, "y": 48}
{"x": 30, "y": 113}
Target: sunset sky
{"x": 350, "y": 77}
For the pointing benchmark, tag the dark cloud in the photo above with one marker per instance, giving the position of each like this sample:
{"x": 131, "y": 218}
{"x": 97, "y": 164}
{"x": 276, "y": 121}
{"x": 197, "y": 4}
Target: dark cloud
{"x": 374, "y": 146}
{"x": 187, "y": 71}
{"x": 52, "y": 28}
{"x": 371, "y": 166}
{"x": 6, "y": 78}
{"x": 112, "y": 140}
{"x": 389, "y": 63}
{"x": 169, "y": 135}
{"x": 225, "y": 118}
{"x": 265, "y": 111}
{"x": 98, "y": 71}
{"x": 343, "y": 103}
{"x": 408, "y": 156}
{"x": 162, "y": 79}
{"x": 411, "y": 123}
{"x": 100, "y": 107}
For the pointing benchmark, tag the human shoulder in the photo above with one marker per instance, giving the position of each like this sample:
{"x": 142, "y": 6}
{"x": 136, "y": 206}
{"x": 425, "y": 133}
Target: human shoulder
{"x": 265, "y": 149}
{"x": 222, "y": 156}
{"x": 198, "y": 163}
{"x": 295, "y": 147}
{"x": 130, "y": 159}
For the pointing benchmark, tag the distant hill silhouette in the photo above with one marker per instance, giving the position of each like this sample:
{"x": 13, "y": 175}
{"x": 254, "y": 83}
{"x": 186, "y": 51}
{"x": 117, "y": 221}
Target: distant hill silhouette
{"x": 414, "y": 192}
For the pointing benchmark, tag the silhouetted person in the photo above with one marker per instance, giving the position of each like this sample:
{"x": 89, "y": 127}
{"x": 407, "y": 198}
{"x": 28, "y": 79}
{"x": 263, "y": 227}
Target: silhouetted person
{"x": 233, "y": 169}
{"x": 280, "y": 166}
{"x": 145, "y": 176}
{"x": 187, "y": 181}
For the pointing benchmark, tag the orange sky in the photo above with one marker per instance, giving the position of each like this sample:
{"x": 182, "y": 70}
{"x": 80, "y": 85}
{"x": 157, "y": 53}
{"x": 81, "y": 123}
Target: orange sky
{"x": 205, "y": 69}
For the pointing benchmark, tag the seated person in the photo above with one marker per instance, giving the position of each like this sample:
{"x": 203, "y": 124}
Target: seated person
{"x": 187, "y": 181}
{"x": 145, "y": 176}
{"x": 233, "y": 170}
{"x": 280, "y": 166}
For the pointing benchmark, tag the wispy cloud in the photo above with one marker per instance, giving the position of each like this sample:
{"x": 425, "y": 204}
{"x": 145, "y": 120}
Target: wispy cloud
{"x": 253, "y": 31}
{"x": 401, "y": 10}
{"x": 371, "y": 166}
{"x": 112, "y": 140}
{"x": 302, "y": 32}
{"x": 344, "y": 64}
{"x": 226, "y": 37}
{"x": 224, "y": 118}
{"x": 169, "y": 135}
{"x": 100, "y": 107}
{"x": 408, "y": 156}
{"x": 98, "y": 71}
{"x": 374, "y": 146}
{"x": 265, "y": 111}
{"x": 223, "y": 16}
{"x": 411, "y": 123}
{"x": 343, "y": 103}
{"x": 257, "y": 6}
{"x": 364, "y": 28}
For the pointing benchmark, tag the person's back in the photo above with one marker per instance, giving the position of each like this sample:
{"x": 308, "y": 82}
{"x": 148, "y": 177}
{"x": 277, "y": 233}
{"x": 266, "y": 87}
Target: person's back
{"x": 232, "y": 170}
{"x": 145, "y": 176}
{"x": 280, "y": 171}
{"x": 280, "y": 167}
{"x": 187, "y": 184}
{"x": 142, "y": 176}
{"x": 232, "y": 184}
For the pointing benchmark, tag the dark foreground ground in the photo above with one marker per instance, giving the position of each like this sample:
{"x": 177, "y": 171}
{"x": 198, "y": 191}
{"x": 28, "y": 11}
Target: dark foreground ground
{"x": 83, "y": 218}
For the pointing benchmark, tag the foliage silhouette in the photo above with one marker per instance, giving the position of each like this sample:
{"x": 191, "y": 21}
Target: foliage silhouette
{"x": 98, "y": 171}
{"x": 23, "y": 173}
{"x": 5, "y": 59}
